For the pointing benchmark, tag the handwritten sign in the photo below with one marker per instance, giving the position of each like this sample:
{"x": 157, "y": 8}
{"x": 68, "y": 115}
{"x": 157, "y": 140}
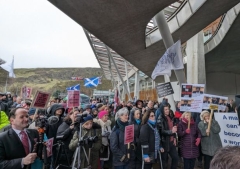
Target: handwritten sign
{"x": 41, "y": 99}
{"x": 129, "y": 134}
{"x": 26, "y": 92}
{"x": 164, "y": 89}
{"x": 73, "y": 98}
{"x": 49, "y": 146}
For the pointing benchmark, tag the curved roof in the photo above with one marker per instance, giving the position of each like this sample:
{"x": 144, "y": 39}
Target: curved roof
{"x": 121, "y": 25}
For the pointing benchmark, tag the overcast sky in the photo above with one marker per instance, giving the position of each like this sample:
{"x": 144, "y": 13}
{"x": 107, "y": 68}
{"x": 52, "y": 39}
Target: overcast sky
{"x": 39, "y": 35}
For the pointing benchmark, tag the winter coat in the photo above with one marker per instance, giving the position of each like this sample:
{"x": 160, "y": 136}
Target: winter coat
{"x": 67, "y": 133}
{"x": 118, "y": 148}
{"x": 51, "y": 130}
{"x": 188, "y": 141}
{"x": 95, "y": 148}
{"x": 3, "y": 120}
{"x": 137, "y": 143}
{"x": 165, "y": 131}
{"x": 4, "y": 107}
{"x": 210, "y": 144}
{"x": 147, "y": 138}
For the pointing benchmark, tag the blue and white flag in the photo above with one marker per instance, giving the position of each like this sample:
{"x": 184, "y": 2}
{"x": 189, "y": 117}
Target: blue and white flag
{"x": 171, "y": 60}
{"x": 91, "y": 82}
{"x": 76, "y": 87}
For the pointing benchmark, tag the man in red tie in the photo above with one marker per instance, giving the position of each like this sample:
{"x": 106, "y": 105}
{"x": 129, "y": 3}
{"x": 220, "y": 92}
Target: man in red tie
{"x": 17, "y": 143}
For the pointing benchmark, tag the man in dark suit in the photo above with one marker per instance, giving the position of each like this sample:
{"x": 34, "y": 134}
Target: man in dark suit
{"x": 17, "y": 143}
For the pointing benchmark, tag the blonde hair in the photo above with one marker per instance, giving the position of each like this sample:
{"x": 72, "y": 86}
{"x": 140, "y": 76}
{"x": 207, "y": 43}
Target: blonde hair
{"x": 184, "y": 114}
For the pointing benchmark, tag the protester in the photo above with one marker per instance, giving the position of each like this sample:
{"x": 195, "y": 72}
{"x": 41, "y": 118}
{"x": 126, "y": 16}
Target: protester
{"x": 118, "y": 148}
{"x": 210, "y": 138}
{"x": 17, "y": 143}
{"x": 135, "y": 119}
{"x": 51, "y": 130}
{"x": 190, "y": 140}
{"x": 106, "y": 131}
{"x": 226, "y": 158}
{"x": 92, "y": 147}
{"x": 168, "y": 133}
{"x": 66, "y": 131}
{"x": 150, "y": 140}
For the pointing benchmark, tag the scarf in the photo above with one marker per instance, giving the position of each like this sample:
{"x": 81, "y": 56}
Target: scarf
{"x": 121, "y": 124}
{"x": 138, "y": 121}
{"x": 156, "y": 135}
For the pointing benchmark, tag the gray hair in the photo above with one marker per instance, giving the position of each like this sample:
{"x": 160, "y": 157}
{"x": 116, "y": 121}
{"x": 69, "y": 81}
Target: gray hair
{"x": 121, "y": 112}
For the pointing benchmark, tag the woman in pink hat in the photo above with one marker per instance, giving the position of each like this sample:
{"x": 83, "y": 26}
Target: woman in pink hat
{"x": 106, "y": 131}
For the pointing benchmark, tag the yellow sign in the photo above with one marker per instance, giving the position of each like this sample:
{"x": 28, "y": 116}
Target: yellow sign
{"x": 213, "y": 107}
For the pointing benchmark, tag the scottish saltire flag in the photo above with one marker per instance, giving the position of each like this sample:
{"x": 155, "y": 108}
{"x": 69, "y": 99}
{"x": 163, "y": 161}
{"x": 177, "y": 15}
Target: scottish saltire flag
{"x": 76, "y": 87}
{"x": 91, "y": 82}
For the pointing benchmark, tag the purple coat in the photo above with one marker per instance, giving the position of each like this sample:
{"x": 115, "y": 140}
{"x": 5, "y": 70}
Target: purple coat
{"x": 188, "y": 141}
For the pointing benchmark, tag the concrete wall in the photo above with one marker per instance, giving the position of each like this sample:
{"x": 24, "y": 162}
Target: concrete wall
{"x": 223, "y": 84}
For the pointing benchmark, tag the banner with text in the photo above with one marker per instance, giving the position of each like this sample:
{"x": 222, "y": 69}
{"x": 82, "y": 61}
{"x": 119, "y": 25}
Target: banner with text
{"x": 164, "y": 89}
{"x": 230, "y": 133}
{"x": 26, "y": 92}
{"x": 73, "y": 98}
{"x": 41, "y": 100}
{"x": 192, "y": 97}
{"x": 129, "y": 134}
{"x": 209, "y": 99}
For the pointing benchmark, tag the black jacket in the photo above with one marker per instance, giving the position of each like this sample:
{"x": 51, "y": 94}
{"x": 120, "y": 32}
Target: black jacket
{"x": 147, "y": 138}
{"x": 12, "y": 150}
{"x": 4, "y": 107}
{"x": 137, "y": 128}
{"x": 164, "y": 130}
{"x": 51, "y": 130}
{"x": 67, "y": 133}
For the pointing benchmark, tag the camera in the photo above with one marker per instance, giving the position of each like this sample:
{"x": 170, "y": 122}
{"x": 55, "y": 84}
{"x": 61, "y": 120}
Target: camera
{"x": 89, "y": 141}
{"x": 41, "y": 122}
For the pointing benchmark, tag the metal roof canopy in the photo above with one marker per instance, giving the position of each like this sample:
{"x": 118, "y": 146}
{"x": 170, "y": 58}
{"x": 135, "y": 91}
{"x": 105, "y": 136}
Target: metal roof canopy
{"x": 121, "y": 25}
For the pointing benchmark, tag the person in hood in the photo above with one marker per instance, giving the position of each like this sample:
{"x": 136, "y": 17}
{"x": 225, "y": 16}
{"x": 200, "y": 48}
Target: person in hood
{"x": 51, "y": 130}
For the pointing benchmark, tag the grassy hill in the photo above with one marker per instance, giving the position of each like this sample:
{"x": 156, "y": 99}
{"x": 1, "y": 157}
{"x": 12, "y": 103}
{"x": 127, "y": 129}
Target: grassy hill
{"x": 52, "y": 79}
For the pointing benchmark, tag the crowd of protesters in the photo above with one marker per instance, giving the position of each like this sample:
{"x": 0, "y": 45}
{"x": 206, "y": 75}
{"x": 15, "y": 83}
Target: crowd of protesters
{"x": 159, "y": 133}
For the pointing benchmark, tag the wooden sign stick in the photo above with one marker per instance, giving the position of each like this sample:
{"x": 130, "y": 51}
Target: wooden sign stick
{"x": 128, "y": 155}
{"x": 34, "y": 117}
{"x": 210, "y": 122}
{"x": 189, "y": 121}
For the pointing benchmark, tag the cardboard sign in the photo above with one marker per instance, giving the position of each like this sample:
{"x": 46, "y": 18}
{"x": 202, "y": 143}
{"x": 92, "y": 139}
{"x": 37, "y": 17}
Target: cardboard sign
{"x": 213, "y": 107}
{"x": 49, "y": 146}
{"x": 192, "y": 97}
{"x": 229, "y": 133}
{"x": 129, "y": 134}
{"x": 164, "y": 89}
{"x": 41, "y": 100}
{"x": 73, "y": 98}
{"x": 213, "y": 100}
{"x": 26, "y": 92}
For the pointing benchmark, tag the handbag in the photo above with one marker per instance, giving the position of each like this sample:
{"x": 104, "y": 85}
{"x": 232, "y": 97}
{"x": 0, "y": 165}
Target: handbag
{"x": 103, "y": 152}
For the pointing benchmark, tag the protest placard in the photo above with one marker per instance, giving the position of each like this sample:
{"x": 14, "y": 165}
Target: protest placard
{"x": 230, "y": 133}
{"x": 41, "y": 100}
{"x": 164, "y": 89}
{"x": 73, "y": 98}
{"x": 219, "y": 101}
{"x": 49, "y": 146}
{"x": 192, "y": 97}
{"x": 129, "y": 134}
{"x": 26, "y": 92}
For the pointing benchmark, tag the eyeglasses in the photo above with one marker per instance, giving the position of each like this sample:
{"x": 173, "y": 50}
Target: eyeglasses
{"x": 152, "y": 116}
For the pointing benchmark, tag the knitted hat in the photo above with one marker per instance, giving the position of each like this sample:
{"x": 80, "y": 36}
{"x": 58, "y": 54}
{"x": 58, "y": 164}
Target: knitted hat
{"x": 102, "y": 113}
{"x": 87, "y": 118}
{"x": 31, "y": 111}
{"x": 204, "y": 114}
